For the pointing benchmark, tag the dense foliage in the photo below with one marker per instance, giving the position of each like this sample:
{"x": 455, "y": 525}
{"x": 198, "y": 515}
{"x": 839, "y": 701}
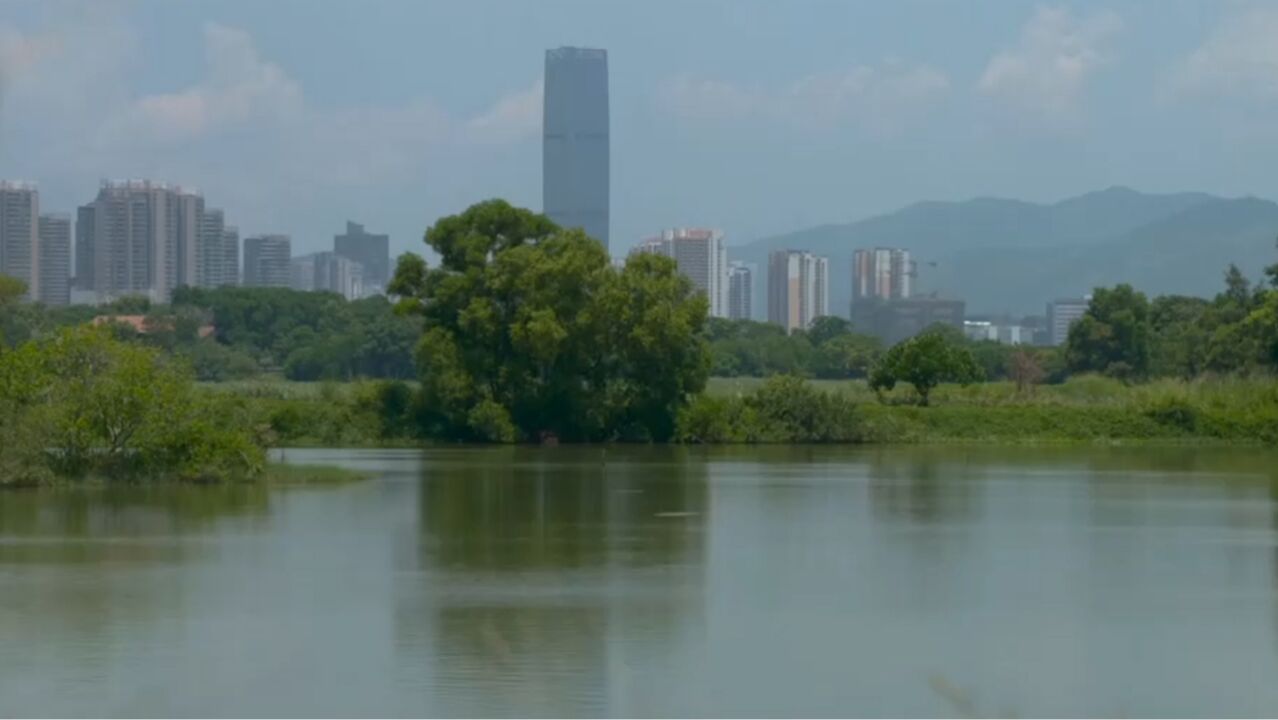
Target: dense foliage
{"x": 529, "y": 333}
{"x": 785, "y": 409}
{"x": 82, "y": 403}
{"x": 925, "y": 361}
{"x": 829, "y": 349}
{"x": 307, "y": 335}
{"x": 1124, "y": 335}
{"x": 300, "y": 335}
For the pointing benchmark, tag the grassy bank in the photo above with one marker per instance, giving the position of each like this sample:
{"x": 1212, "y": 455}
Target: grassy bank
{"x": 1087, "y": 409}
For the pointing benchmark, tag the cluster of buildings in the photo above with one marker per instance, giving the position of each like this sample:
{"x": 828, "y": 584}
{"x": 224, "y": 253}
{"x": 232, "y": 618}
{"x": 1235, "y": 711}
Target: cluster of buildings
{"x": 884, "y": 303}
{"x": 798, "y": 281}
{"x": 575, "y": 193}
{"x": 139, "y": 237}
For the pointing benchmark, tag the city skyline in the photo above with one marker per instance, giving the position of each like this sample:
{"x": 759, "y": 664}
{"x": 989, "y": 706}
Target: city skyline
{"x": 892, "y": 110}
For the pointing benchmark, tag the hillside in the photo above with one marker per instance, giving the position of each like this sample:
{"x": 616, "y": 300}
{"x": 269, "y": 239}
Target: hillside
{"x": 1011, "y": 256}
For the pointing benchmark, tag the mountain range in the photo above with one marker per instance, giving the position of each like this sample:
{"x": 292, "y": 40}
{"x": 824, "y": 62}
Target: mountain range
{"x": 1010, "y": 256}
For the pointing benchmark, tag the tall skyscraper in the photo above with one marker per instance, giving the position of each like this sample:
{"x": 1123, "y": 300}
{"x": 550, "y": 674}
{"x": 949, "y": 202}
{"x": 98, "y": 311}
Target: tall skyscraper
{"x": 740, "y": 291}
{"x": 798, "y": 288}
{"x": 574, "y": 168}
{"x": 701, "y": 256}
{"x": 230, "y": 255}
{"x": 55, "y": 259}
{"x": 266, "y": 261}
{"x": 371, "y": 251}
{"x": 20, "y": 234}
{"x": 881, "y": 274}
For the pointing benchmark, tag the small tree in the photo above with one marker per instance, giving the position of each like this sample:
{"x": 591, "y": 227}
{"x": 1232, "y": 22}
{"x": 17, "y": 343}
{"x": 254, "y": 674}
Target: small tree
{"x": 925, "y": 361}
{"x": 1024, "y": 368}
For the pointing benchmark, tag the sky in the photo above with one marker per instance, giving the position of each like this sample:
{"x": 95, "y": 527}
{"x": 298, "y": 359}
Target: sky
{"x": 753, "y": 117}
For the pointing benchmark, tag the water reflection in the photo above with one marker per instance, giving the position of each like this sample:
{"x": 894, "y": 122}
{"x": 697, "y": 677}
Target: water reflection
{"x": 922, "y": 486}
{"x": 531, "y": 509}
{"x": 79, "y": 564}
{"x": 119, "y": 523}
{"x": 655, "y": 581}
{"x": 532, "y": 562}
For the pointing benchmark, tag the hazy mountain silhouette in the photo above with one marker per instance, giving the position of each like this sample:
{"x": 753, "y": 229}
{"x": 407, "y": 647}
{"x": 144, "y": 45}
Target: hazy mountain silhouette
{"x": 1011, "y": 256}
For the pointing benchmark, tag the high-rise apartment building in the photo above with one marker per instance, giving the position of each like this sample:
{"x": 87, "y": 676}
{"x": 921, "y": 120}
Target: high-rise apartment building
{"x": 371, "y": 251}
{"x": 139, "y": 237}
{"x": 188, "y": 220}
{"x": 20, "y": 234}
{"x": 230, "y": 255}
{"x": 740, "y": 291}
{"x": 574, "y": 170}
{"x": 212, "y": 265}
{"x": 798, "y": 288}
{"x": 266, "y": 261}
{"x": 85, "y": 225}
{"x": 1061, "y": 314}
{"x": 327, "y": 272}
{"x": 55, "y": 259}
{"x": 881, "y": 274}
{"x": 301, "y": 273}
{"x": 701, "y": 256}
{"x": 339, "y": 274}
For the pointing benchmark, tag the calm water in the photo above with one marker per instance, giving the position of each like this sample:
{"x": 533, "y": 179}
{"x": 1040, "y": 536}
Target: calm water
{"x": 573, "y": 582}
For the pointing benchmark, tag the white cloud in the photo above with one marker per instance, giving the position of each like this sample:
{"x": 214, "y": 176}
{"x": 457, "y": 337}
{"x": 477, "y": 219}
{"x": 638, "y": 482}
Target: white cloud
{"x": 874, "y": 97}
{"x": 704, "y": 99}
{"x": 244, "y": 131}
{"x": 79, "y": 90}
{"x": 878, "y": 96}
{"x": 1239, "y": 57}
{"x": 1048, "y": 68}
{"x": 18, "y": 52}
{"x": 239, "y": 87}
{"x": 514, "y": 117}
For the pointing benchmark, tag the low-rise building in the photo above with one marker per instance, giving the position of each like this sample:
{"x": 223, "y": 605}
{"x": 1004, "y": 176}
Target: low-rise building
{"x": 1062, "y": 313}
{"x": 895, "y": 320}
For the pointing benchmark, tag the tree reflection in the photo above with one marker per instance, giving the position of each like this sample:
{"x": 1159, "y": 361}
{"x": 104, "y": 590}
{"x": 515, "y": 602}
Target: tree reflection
{"x": 921, "y": 485}
{"x": 523, "y": 509}
{"x": 112, "y": 523}
{"x": 533, "y": 560}
{"x": 76, "y": 565}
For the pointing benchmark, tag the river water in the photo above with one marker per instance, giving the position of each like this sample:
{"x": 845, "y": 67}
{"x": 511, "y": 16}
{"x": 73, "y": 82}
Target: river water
{"x": 657, "y": 581}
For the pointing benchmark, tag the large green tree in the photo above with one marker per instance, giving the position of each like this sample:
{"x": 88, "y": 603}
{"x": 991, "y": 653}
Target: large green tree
{"x": 1112, "y": 337}
{"x": 530, "y": 333}
{"x": 925, "y": 361}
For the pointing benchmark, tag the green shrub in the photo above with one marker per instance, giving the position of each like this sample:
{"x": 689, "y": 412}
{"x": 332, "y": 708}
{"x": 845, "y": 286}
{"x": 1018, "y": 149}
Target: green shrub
{"x": 784, "y": 409}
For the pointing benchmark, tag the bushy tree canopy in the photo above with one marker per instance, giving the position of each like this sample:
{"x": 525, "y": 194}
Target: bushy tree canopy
{"x": 530, "y": 333}
{"x": 925, "y": 361}
{"x": 1112, "y": 337}
{"x": 84, "y": 403}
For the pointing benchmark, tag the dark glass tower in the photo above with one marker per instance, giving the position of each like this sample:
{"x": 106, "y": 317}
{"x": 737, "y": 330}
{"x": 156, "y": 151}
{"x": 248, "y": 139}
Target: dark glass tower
{"x": 574, "y": 166}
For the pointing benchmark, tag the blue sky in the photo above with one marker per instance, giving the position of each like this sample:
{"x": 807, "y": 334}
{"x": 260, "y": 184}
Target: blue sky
{"x": 757, "y": 118}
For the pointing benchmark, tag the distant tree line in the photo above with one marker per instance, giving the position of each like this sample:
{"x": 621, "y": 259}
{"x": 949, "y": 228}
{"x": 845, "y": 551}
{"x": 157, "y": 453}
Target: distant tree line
{"x": 299, "y": 335}
{"x": 1125, "y": 335}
